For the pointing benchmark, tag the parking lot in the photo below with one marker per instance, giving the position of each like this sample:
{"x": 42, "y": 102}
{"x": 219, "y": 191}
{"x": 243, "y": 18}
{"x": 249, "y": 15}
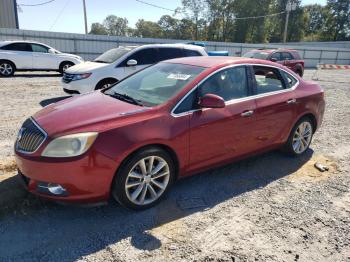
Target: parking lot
{"x": 267, "y": 208}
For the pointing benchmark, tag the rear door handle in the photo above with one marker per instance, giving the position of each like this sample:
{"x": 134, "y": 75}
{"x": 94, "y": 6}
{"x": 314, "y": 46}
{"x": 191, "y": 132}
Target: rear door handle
{"x": 291, "y": 101}
{"x": 247, "y": 113}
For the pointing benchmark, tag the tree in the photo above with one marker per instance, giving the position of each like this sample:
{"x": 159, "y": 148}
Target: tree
{"x": 339, "y": 19}
{"x": 147, "y": 29}
{"x": 98, "y": 29}
{"x": 169, "y": 27}
{"x": 195, "y": 11}
{"x": 116, "y": 25}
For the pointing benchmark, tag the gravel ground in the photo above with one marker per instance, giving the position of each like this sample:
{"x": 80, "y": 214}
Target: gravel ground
{"x": 267, "y": 208}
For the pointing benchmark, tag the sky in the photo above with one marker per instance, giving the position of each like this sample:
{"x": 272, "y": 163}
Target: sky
{"x": 67, "y": 15}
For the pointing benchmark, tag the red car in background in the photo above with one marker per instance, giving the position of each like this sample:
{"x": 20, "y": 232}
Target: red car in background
{"x": 170, "y": 120}
{"x": 287, "y": 57}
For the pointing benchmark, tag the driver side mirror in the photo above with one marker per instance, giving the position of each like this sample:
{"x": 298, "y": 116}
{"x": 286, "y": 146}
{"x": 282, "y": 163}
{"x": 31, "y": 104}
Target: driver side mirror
{"x": 211, "y": 101}
{"x": 131, "y": 62}
{"x": 273, "y": 60}
{"x": 52, "y": 51}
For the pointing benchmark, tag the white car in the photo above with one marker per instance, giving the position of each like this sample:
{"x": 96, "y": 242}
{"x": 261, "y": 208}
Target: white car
{"x": 118, "y": 63}
{"x": 32, "y": 56}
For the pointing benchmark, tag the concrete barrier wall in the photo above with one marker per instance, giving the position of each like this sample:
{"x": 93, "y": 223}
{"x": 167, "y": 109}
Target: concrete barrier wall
{"x": 90, "y": 46}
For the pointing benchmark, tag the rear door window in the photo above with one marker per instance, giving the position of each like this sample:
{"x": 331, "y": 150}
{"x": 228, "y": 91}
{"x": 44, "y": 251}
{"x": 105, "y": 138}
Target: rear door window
{"x": 25, "y": 47}
{"x": 170, "y": 53}
{"x": 191, "y": 53}
{"x": 268, "y": 79}
{"x": 289, "y": 79}
{"x": 287, "y": 56}
{"x": 277, "y": 56}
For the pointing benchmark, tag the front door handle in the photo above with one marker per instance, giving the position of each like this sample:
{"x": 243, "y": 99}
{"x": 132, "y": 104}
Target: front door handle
{"x": 291, "y": 101}
{"x": 247, "y": 113}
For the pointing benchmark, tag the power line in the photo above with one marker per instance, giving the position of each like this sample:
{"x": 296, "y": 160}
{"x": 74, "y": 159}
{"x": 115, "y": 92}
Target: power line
{"x": 157, "y": 6}
{"x": 256, "y": 17}
{"x": 59, "y": 14}
{"x": 43, "y": 3}
{"x": 236, "y": 18}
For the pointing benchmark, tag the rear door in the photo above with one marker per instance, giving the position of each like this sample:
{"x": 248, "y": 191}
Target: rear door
{"x": 166, "y": 53}
{"x": 42, "y": 59}
{"x": 20, "y": 54}
{"x": 288, "y": 60}
{"x": 144, "y": 57}
{"x": 276, "y": 105}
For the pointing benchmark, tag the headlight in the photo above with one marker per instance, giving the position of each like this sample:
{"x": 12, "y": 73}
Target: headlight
{"x": 81, "y": 76}
{"x": 70, "y": 145}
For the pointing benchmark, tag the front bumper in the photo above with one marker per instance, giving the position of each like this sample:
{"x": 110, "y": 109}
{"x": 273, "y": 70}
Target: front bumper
{"x": 86, "y": 179}
{"x": 78, "y": 87}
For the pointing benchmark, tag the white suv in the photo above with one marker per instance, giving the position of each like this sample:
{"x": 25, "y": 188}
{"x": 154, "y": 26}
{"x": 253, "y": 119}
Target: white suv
{"x": 118, "y": 63}
{"x": 31, "y": 56}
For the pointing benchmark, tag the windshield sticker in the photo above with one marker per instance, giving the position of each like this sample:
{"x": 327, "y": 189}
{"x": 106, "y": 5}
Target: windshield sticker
{"x": 179, "y": 76}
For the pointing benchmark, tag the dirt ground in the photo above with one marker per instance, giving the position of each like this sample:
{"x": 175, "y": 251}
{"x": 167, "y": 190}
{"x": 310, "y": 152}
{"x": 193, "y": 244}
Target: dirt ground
{"x": 267, "y": 208}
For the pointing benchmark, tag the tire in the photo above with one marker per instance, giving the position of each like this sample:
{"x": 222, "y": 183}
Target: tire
{"x": 7, "y": 68}
{"x": 105, "y": 83}
{"x": 300, "y": 73}
{"x": 64, "y": 66}
{"x": 137, "y": 189}
{"x": 292, "y": 146}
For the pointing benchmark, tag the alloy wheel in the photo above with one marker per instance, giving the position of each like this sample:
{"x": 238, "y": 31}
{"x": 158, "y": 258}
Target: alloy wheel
{"x": 6, "y": 69}
{"x": 147, "y": 180}
{"x": 302, "y": 137}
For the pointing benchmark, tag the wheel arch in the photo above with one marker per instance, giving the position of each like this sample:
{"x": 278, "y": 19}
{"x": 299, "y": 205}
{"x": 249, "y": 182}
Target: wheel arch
{"x": 9, "y": 61}
{"x": 105, "y": 79}
{"x": 313, "y": 119}
{"x": 164, "y": 147}
{"x": 65, "y": 61}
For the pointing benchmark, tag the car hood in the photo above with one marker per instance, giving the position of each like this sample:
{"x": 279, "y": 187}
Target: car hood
{"x": 70, "y": 56}
{"x": 84, "y": 113}
{"x": 85, "y": 67}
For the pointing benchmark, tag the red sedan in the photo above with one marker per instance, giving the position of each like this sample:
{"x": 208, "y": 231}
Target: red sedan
{"x": 171, "y": 120}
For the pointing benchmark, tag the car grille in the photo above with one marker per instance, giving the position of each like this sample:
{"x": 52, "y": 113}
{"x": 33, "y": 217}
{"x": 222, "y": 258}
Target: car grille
{"x": 30, "y": 137}
{"x": 67, "y": 78}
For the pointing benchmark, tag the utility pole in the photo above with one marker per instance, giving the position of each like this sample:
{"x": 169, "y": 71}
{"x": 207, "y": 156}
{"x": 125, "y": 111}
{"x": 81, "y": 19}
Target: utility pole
{"x": 289, "y": 7}
{"x": 85, "y": 18}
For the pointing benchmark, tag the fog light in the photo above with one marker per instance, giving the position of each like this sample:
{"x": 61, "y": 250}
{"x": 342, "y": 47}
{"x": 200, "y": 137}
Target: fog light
{"x": 56, "y": 189}
{"x": 51, "y": 189}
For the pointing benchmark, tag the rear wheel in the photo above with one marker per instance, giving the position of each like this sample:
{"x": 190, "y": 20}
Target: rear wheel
{"x": 300, "y": 137}
{"x": 299, "y": 72}
{"x": 105, "y": 83}
{"x": 7, "y": 68}
{"x": 144, "y": 179}
{"x": 64, "y": 66}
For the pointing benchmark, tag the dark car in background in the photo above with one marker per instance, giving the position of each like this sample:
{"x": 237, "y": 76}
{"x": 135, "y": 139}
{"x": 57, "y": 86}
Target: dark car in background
{"x": 287, "y": 57}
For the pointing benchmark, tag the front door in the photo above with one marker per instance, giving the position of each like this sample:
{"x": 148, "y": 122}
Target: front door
{"x": 42, "y": 59}
{"x": 219, "y": 134}
{"x": 144, "y": 57}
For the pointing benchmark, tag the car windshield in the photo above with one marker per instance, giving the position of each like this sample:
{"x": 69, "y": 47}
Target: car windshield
{"x": 256, "y": 54}
{"x": 112, "y": 55}
{"x": 155, "y": 84}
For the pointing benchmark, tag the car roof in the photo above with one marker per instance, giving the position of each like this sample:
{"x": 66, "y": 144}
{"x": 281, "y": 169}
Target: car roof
{"x": 218, "y": 61}
{"x": 176, "y": 45}
{"x": 6, "y": 42}
{"x": 273, "y": 50}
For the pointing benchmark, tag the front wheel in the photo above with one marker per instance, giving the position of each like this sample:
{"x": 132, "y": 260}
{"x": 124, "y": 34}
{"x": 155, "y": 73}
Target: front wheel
{"x": 6, "y": 68}
{"x": 300, "y": 137}
{"x": 144, "y": 179}
{"x": 64, "y": 66}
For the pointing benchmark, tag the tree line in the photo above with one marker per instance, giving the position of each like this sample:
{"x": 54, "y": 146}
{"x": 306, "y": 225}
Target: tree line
{"x": 220, "y": 20}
